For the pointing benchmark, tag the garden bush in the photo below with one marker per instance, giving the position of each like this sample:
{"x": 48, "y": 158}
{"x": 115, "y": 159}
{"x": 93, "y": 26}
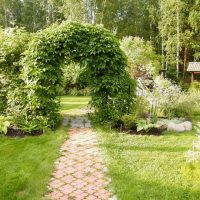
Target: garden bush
{"x": 165, "y": 95}
{"x": 160, "y": 99}
{"x": 142, "y": 59}
{"x": 187, "y": 105}
{"x": 75, "y": 80}
{"x": 166, "y": 99}
{"x": 129, "y": 121}
{"x": 41, "y": 79}
{"x": 13, "y": 42}
{"x": 3, "y": 94}
{"x": 195, "y": 86}
{"x": 4, "y": 124}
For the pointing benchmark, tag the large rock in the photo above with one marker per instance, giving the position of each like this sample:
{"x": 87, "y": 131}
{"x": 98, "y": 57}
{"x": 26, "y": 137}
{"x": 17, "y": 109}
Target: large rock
{"x": 181, "y": 127}
{"x": 187, "y": 125}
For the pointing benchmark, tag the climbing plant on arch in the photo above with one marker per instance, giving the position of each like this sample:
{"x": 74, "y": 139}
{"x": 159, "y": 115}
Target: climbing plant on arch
{"x": 92, "y": 47}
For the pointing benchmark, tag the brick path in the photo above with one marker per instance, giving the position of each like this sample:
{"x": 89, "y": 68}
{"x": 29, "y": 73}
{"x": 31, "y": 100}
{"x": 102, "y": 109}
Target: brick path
{"x": 79, "y": 172}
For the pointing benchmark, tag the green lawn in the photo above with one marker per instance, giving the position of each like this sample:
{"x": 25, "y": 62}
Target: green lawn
{"x": 151, "y": 167}
{"x": 69, "y": 103}
{"x": 26, "y": 164}
{"x": 141, "y": 167}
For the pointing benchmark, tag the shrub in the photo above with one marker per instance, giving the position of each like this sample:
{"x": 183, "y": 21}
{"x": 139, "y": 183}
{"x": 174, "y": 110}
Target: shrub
{"x": 79, "y": 92}
{"x": 29, "y": 125}
{"x": 140, "y": 110}
{"x": 13, "y": 42}
{"x": 142, "y": 59}
{"x": 4, "y": 124}
{"x": 167, "y": 99}
{"x": 195, "y": 86}
{"x": 41, "y": 80}
{"x": 129, "y": 121}
{"x": 141, "y": 107}
{"x": 144, "y": 125}
{"x": 187, "y": 104}
{"x": 166, "y": 94}
{"x": 3, "y": 94}
{"x": 75, "y": 80}
{"x": 161, "y": 98}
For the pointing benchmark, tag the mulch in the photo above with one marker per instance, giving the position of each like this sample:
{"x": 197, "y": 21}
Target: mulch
{"x": 152, "y": 131}
{"x": 15, "y": 132}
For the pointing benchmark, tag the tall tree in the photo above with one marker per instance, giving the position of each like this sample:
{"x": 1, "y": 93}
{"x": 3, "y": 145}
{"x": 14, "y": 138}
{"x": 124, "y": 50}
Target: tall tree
{"x": 10, "y": 12}
{"x": 176, "y": 32}
{"x": 194, "y": 21}
{"x": 177, "y": 37}
{"x": 125, "y": 18}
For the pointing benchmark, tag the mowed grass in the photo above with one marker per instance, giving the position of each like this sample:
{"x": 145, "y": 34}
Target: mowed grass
{"x": 151, "y": 167}
{"x": 141, "y": 167}
{"x": 26, "y": 164}
{"x": 69, "y": 103}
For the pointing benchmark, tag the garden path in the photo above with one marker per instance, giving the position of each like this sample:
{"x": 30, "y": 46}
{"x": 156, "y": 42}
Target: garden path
{"x": 80, "y": 171}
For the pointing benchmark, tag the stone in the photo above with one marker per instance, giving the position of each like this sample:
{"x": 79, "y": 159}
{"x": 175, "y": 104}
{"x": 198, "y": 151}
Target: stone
{"x": 181, "y": 127}
{"x": 79, "y": 170}
{"x": 65, "y": 122}
{"x": 187, "y": 125}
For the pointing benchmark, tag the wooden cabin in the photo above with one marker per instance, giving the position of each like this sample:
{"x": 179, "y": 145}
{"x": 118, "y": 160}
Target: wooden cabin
{"x": 194, "y": 69}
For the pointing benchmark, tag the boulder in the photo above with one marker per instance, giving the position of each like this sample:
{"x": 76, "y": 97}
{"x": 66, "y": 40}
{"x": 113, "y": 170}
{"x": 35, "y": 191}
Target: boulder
{"x": 181, "y": 127}
{"x": 187, "y": 125}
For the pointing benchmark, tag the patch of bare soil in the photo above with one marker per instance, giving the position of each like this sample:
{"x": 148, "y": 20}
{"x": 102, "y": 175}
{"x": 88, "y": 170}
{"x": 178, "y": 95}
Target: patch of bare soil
{"x": 13, "y": 131}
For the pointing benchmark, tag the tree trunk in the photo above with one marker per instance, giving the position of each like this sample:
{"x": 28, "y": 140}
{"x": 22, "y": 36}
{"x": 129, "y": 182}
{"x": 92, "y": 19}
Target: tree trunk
{"x": 185, "y": 61}
{"x": 163, "y": 47}
{"x": 52, "y": 12}
{"x": 5, "y": 16}
{"x": 163, "y": 60}
{"x": 91, "y": 8}
{"x": 150, "y": 26}
{"x": 178, "y": 39}
{"x": 102, "y": 12}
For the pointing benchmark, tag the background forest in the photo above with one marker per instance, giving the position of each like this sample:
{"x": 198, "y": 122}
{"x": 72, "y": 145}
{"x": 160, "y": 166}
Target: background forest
{"x": 172, "y": 26}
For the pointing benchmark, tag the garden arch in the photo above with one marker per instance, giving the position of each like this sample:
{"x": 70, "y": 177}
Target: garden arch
{"x": 90, "y": 46}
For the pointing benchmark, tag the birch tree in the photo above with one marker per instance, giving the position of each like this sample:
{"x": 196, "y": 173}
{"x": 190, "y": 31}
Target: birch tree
{"x": 175, "y": 32}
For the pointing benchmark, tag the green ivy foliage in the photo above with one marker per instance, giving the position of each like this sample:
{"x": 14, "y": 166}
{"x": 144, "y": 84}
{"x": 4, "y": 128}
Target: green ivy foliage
{"x": 13, "y": 42}
{"x": 92, "y": 47}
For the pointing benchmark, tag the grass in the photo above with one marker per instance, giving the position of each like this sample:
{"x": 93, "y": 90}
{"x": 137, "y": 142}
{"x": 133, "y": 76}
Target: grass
{"x": 69, "y": 103}
{"x": 26, "y": 164}
{"x": 151, "y": 167}
{"x": 141, "y": 167}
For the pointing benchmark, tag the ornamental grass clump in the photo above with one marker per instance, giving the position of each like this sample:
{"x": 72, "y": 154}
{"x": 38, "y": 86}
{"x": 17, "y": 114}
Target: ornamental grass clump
{"x": 187, "y": 104}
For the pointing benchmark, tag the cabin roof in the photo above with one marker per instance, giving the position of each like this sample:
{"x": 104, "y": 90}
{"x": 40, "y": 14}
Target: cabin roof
{"x": 193, "y": 67}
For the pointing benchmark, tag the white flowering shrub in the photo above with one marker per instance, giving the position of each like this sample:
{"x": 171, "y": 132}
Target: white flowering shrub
{"x": 162, "y": 97}
{"x": 167, "y": 100}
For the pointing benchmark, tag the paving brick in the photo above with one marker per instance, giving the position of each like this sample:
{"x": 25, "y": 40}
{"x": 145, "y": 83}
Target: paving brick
{"x": 79, "y": 171}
